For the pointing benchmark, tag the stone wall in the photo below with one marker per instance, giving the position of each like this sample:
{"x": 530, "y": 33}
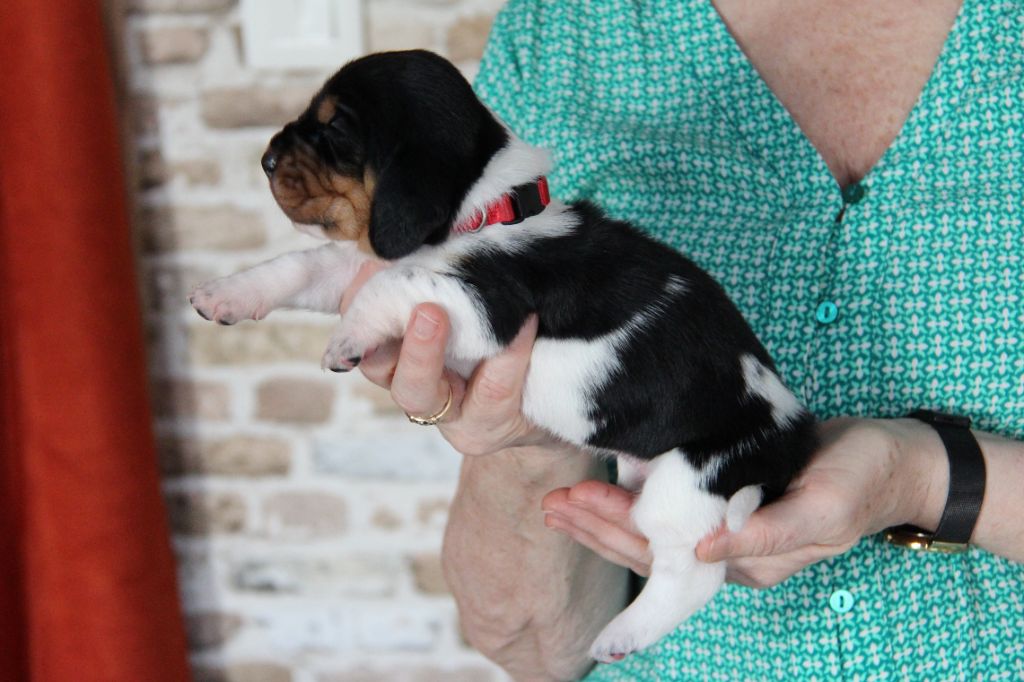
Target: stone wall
{"x": 307, "y": 512}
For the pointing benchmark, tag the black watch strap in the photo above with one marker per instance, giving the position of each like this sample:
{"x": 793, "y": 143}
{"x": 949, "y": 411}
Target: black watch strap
{"x": 966, "y": 481}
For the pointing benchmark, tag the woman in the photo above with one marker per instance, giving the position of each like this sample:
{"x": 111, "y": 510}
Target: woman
{"x": 851, "y": 173}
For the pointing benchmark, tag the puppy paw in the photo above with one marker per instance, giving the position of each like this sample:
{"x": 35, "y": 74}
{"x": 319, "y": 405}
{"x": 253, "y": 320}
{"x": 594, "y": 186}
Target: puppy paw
{"x": 361, "y": 330}
{"x": 226, "y": 302}
{"x": 343, "y": 353}
{"x": 339, "y": 364}
{"x": 619, "y": 639}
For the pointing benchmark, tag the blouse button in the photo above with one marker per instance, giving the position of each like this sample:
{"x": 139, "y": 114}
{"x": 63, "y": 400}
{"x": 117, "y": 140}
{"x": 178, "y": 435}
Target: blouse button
{"x": 841, "y": 601}
{"x": 852, "y": 194}
{"x": 827, "y": 312}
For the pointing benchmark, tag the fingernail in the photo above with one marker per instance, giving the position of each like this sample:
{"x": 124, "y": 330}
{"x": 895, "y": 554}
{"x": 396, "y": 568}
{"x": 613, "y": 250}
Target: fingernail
{"x": 555, "y": 521}
{"x": 555, "y": 508}
{"x": 423, "y": 327}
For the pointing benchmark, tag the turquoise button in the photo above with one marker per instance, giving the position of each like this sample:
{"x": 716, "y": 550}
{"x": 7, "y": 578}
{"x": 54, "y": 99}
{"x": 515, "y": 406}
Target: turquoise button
{"x": 841, "y": 601}
{"x": 852, "y": 194}
{"x": 827, "y": 312}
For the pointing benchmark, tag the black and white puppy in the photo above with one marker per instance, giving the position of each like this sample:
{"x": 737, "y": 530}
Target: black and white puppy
{"x": 639, "y": 353}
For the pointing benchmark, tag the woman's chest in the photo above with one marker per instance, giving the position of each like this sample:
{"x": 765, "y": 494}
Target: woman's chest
{"x": 848, "y": 73}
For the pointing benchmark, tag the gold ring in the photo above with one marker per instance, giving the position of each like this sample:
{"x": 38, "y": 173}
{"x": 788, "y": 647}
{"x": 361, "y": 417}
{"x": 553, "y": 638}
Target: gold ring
{"x": 433, "y": 420}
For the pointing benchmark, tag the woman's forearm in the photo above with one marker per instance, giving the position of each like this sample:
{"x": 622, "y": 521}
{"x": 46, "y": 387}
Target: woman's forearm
{"x": 1000, "y": 526}
{"x": 530, "y": 599}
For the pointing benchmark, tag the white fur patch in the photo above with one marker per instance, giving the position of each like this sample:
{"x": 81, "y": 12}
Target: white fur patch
{"x": 765, "y": 384}
{"x": 564, "y": 374}
{"x": 315, "y": 231}
{"x": 515, "y": 164}
{"x": 675, "y": 286}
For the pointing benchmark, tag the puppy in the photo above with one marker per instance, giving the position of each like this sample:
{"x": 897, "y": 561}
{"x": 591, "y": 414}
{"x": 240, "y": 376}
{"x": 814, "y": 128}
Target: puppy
{"x": 639, "y": 353}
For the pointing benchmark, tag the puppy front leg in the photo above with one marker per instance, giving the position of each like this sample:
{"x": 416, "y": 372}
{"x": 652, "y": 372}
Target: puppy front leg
{"x": 311, "y": 280}
{"x": 382, "y": 308}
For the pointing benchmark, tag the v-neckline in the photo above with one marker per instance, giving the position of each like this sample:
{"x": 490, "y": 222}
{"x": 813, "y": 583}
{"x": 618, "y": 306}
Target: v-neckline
{"x": 778, "y": 136}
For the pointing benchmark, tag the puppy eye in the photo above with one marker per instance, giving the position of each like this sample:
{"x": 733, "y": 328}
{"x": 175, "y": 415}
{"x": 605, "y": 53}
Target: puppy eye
{"x": 344, "y": 119}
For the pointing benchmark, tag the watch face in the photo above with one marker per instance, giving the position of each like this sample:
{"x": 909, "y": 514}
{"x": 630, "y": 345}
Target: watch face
{"x": 933, "y": 417}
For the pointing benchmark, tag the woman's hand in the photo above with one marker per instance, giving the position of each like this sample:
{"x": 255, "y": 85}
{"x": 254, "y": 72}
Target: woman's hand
{"x": 867, "y": 475}
{"x": 485, "y": 414}
{"x": 597, "y": 515}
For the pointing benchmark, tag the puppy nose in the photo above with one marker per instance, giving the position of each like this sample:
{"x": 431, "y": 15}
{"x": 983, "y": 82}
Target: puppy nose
{"x": 269, "y": 162}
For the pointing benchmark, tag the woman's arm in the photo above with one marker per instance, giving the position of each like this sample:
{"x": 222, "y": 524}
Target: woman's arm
{"x": 1000, "y": 527}
{"x": 531, "y": 600}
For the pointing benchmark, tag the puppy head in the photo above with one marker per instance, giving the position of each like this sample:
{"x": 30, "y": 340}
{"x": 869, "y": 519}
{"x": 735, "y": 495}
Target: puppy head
{"x": 385, "y": 153}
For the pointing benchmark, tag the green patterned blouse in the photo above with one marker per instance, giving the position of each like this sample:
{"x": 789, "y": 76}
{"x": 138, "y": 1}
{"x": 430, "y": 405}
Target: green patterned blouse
{"x": 904, "y": 290}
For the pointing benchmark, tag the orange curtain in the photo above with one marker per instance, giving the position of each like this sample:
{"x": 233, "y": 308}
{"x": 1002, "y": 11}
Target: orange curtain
{"x": 87, "y": 582}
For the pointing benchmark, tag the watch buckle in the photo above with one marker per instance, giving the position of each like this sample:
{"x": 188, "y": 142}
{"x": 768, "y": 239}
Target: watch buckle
{"x": 918, "y": 540}
{"x": 947, "y": 547}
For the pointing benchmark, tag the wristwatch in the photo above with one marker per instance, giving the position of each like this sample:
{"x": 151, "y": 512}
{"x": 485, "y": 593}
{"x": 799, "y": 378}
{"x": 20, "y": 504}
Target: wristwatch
{"x": 966, "y": 489}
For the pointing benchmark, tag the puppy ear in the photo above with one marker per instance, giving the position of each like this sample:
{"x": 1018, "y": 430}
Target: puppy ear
{"x": 414, "y": 202}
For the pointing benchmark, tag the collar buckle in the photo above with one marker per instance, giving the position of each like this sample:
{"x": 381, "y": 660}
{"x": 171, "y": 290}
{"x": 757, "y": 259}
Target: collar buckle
{"x": 527, "y": 201}
{"x": 522, "y": 202}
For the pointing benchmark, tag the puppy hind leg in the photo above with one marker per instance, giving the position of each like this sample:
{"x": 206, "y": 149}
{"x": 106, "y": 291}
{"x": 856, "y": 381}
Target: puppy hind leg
{"x": 674, "y": 512}
{"x": 678, "y": 587}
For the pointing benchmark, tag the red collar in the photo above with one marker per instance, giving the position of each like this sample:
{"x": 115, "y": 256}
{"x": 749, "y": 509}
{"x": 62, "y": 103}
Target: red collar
{"x": 514, "y": 207}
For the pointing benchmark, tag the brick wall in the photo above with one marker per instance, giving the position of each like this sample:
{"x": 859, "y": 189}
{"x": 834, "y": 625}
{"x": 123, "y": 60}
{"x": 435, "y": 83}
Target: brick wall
{"x": 307, "y": 513}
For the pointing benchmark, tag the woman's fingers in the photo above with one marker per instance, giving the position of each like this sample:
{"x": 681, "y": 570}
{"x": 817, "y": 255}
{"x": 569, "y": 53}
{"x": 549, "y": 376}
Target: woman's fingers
{"x": 483, "y": 416}
{"x": 596, "y": 514}
{"x": 421, "y": 385}
{"x": 605, "y": 547}
{"x": 490, "y": 414}
{"x": 608, "y": 501}
{"x": 495, "y": 390}
{"x": 379, "y": 364}
{"x": 764, "y": 572}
